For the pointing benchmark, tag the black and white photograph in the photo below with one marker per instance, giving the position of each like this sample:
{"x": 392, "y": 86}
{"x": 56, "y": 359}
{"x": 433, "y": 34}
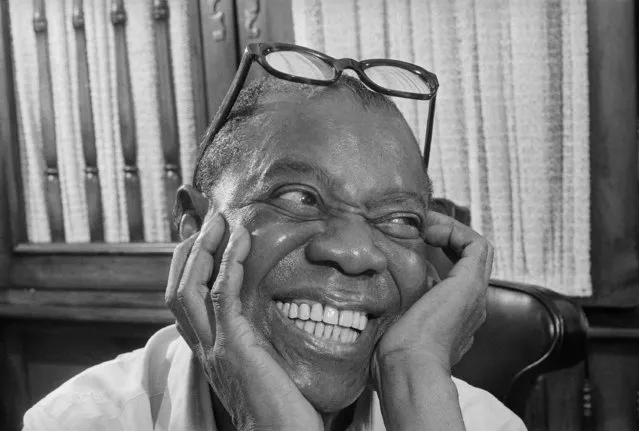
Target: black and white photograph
{"x": 319, "y": 215}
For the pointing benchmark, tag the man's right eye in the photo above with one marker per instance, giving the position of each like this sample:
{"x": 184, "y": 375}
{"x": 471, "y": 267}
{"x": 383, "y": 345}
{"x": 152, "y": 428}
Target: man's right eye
{"x": 302, "y": 203}
{"x": 300, "y": 197}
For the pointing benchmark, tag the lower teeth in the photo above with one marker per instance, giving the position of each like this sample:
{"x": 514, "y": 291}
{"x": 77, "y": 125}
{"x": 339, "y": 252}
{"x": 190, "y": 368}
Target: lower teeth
{"x": 326, "y": 332}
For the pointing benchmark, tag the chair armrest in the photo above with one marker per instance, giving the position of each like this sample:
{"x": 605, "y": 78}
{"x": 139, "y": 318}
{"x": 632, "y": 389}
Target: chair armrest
{"x": 569, "y": 321}
{"x": 530, "y": 330}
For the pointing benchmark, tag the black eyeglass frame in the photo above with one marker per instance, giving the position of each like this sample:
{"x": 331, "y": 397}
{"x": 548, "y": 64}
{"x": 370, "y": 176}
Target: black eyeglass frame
{"x": 258, "y": 51}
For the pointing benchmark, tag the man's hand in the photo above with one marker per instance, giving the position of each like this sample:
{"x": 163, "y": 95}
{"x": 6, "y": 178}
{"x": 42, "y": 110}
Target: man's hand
{"x": 255, "y": 391}
{"x": 412, "y": 362}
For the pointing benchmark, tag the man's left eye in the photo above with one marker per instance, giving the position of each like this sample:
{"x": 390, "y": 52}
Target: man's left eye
{"x": 404, "y": 227}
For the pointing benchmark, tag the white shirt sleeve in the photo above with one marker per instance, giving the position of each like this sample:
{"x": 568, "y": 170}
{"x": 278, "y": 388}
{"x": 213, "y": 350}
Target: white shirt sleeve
{"x": 36, "y": 419}
{"x": 483, "y": 412}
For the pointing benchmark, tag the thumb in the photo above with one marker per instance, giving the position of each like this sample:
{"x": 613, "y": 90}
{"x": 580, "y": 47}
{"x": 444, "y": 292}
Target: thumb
{"x": 225, "y": 294}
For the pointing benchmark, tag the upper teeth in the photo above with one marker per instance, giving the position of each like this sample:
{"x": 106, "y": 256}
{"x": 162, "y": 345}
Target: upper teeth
{"x": 324, "y": 313}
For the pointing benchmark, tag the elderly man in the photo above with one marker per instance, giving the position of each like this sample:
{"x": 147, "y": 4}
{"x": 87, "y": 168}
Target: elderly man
{"x": 302, "y": 291}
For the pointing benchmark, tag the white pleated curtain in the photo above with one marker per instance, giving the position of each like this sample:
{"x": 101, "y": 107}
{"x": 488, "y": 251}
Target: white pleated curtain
{"x": 102, "y": 74}
{"x": 511, "y": 124}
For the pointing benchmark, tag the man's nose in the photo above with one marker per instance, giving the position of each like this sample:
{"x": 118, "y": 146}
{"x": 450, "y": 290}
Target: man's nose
{"x": 348, "y": 246}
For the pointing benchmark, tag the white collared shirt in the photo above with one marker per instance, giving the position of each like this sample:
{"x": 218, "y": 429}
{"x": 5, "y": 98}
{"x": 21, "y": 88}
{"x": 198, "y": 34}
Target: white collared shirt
{"x": 162, "y": 387}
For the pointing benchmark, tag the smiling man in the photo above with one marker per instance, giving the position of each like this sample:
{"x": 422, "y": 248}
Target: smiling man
{"x": 302, "y": 290}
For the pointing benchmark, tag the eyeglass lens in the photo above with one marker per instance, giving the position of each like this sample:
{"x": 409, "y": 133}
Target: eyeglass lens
{"x": 397, "y": 79}
{"x": 300, "y": 64}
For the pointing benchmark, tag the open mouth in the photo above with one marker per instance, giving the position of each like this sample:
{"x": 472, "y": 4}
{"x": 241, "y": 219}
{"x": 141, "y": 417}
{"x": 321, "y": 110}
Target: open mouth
{"x": 325, "y": 322}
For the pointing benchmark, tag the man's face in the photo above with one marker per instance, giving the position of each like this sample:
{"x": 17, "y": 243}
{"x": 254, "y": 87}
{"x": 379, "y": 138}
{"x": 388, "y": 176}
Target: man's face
{"x": 335, "y": 199}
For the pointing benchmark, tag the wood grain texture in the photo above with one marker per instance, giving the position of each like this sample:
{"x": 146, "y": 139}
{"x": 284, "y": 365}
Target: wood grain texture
{"x": 166, "y": 98}
{"x": 83, "y": 298}
{"x": 536, "y": 417}
{"x": 127, "y": 124}
{"x": 147, "y": 249}
{"x": 91, "y": 176}
{"x": 265, "y": 21}
{"x": 198, "y": 81}
{"x": 88, "y": 314}
{"x": 12, "y": 227}
{"x": 47, "y": 117}
{"x": 613, "y": 113}
{"x": 614, "y": 376}
{"x": 138, "y": 272}
{"x": 251, "y": 20}
{"x": 587, "y": 422}
{"x": 563, "y": 408}
{"x": 6, "y": 249}
{"x": 85, "y": 305}
{"x": 220, "y": 50}
{"x": 14, "y": 396}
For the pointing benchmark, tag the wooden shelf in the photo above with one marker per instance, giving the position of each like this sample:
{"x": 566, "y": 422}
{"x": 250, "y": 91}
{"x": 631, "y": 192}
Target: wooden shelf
{"x": 85, "y": 305}
{"x": 138, "y": 271}
{"x": 88, "y": 314}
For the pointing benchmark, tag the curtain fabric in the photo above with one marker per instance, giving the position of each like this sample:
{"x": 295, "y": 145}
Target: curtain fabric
{"x": 101, "y": 59}
{"x": 511, "y": 134}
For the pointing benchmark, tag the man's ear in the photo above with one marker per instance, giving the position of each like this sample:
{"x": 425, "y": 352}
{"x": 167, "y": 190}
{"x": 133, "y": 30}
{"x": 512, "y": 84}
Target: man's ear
{"x": 189, "y": 211}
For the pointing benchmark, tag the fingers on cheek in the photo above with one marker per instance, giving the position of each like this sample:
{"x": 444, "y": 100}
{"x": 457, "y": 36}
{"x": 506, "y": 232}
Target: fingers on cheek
{"x": 212, "y": 232}
{"x": 178, "y": 263}
{"x": 241, "y": 244}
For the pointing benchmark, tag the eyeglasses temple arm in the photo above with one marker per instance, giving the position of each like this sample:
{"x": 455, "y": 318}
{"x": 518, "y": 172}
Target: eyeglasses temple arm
{"x": 429, "y": 131}
{"x": 227, "y": 105}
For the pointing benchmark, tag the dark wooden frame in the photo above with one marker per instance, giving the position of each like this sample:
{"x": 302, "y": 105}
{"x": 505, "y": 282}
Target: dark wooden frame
{"x": 118, "y": 282}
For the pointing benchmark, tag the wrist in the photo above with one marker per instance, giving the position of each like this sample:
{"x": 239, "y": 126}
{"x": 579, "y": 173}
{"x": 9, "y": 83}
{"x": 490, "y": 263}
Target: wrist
{"x": 415, "y": 361}
{"x": 418, "y": 395}
{"x": 405, "y": 373}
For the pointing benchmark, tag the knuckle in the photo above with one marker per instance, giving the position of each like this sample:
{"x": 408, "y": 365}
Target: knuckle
{"x": 182, "y": 247}
{"x": 180, "y": 299}
{"x": 173, "y": 299}
{"x": 221, "y": 281}
{"x": 218, "y": 299}
{"x": 180, "y": 293}
{"x": 169, "y": 298}
{"x": 227, "y": 257}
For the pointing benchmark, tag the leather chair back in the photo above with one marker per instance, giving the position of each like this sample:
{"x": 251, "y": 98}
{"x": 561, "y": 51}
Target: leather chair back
{"x": 529, "y": 330}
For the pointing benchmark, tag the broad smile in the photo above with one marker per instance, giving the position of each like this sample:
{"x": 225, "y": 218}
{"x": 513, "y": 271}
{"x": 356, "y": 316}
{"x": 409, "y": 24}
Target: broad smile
{"x": 323, "y": 321}
{"x": 324, "y": 329}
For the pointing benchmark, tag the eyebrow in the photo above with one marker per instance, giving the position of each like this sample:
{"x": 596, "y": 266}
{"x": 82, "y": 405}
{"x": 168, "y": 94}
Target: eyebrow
{"x": 397, "y": 196}
{"x": 287, "y": 165}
